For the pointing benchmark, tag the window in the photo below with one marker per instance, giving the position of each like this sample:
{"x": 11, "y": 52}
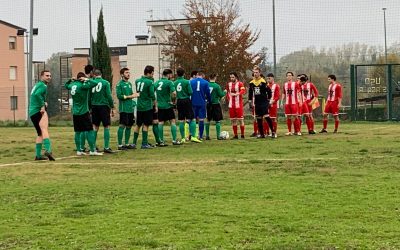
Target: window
{"x": 13, "y": 72}
{"x": 123, "y": 64}
{"x": 185, "y": 28}
{"x": 12, "y": 42}
{"x": 14, "y": 102}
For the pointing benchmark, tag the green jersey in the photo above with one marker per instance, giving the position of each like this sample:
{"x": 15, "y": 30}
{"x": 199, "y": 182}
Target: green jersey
{"x": 183, "y": 88}
{"x": 38, "y": 98}
{"x": 124, "y": 88}
{"x": 216, "y": 92}
{"x": 101, "y": 94}
{"x": 145, "y": 87}
{"x": 79, "y": 92}
{"x": 164, "y": 88}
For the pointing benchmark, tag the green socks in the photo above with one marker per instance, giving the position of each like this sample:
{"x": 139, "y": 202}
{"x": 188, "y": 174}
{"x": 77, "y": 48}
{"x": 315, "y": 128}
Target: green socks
{"x": 38, "y": 149}
{"x": 218, "y": 128}
{"x": 83, "y": 139}
{"x": 161, "y": 131}
{"x": 192, "y": 128}
{"x": 91, "y": 141}
{"x": 144, "y": 137}
{"x": 127, "y": 135}
{"x": 182, "y": 129}
{"x": 106, "y": 137}
{"x": 47, "y": 144}
{"x": 207, "y": 129}
{"x": 120, "y": 134}
{"x": 135, "y": 137}
{"x": 173, "y": 131}
{"x": 155, "y": 132}
{"x": 78, "y": 141}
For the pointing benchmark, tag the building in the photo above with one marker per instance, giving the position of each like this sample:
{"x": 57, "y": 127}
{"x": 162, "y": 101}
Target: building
{"x": 150, "y": 50}
{"x": 13, "y": 89}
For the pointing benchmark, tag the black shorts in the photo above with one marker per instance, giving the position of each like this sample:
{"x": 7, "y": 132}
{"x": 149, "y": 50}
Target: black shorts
{"x": 126, "y": 119}
{"x": 82, "y": 123}
{"x": 166, "y": 114}
{"x": 144, "y": 117}
{"x": 214, "y": 112}
{"x": 261, "y": 110}
{"x": 101, "y": 114}
{"x": 36, "y": 120}
{"x": 185, "y": 110}
{"x": 155, "y": 114}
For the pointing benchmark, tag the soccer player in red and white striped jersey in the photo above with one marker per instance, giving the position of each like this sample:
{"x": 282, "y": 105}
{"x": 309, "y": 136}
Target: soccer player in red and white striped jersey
{"x": 291, "y": 93}
{"x": 309, "y": 93}
{"x": 274, "y": 102}
{"x": 235, "y": 91}
{"x": 334, "y": 102}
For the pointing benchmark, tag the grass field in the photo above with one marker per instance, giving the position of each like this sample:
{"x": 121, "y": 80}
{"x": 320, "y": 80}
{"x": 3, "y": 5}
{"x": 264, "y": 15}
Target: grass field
{"x": 331, "y": 191}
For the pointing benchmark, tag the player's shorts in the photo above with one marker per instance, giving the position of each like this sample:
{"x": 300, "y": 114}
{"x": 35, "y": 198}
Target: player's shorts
{"x": 155, "y": 114}
{"x": 166, "y": 114}
{"x": 144, "y": 117}
{"x": 261, "y": 110}
{"x": 236, "y": 113}
{"x": 273, "y": 110}
{"x": 82, "y": 123}
{"x": 36, "y": 120}
{"x": 305, "y": 109}
{"x": 291, "y": 109}
{"x": 185, "y": 110}
{"x": 332, "y": 107}
{"x": 101, "y": 114}
{"x": 199, "y": 111}
{"x": 126, "y": 119}
{"x": 214, "y": 112}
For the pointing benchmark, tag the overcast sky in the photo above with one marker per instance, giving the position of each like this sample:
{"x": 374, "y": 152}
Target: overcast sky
{"x": 64, "y": 24}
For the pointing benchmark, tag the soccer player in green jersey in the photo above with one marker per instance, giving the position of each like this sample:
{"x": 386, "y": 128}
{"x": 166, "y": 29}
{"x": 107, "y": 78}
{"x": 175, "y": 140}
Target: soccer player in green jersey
{"x": 126, "y": 95}
{"x": 184, "y": 104}
{"x": 214, "y": 111}
{"x": 80, "y": 109}
{"x": 102, "y": 108}
{"x": 39, "y": 117}
{"x": 166, "y": 97}
{"x": 145, "y": 103}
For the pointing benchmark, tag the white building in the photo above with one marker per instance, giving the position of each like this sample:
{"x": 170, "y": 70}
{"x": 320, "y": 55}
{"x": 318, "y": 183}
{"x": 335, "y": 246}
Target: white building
{"x": 149, "y": 50}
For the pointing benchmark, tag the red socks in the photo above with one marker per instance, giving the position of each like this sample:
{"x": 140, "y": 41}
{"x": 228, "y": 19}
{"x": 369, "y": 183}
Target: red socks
{"x": 235, "y": 130}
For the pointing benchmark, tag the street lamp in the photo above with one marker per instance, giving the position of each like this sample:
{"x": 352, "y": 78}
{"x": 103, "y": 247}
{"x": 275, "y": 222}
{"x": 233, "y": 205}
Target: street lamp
{"x": 384, "y": 28}
{"x": 274, "y": 35}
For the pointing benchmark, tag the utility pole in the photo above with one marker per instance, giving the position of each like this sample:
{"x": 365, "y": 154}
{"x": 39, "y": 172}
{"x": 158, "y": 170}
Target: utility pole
{"x": 90, "y": 33}
{"x": 274, "y": 35}
{"x": 30, "y": 53}
{"x": 384, "y": 28}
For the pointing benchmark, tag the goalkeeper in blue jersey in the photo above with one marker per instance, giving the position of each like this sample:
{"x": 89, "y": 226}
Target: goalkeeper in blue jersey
{"x": 201, "y": 93}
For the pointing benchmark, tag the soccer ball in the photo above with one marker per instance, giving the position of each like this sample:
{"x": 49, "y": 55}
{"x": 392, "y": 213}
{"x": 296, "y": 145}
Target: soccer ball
{"x": 224, "y": 135}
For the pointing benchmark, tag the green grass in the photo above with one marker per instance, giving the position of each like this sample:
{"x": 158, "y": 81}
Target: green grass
{"x": 330, "y": 191}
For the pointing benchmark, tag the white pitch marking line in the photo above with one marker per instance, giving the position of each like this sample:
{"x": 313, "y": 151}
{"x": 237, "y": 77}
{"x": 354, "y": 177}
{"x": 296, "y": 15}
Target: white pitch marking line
{"x": 197, "y": 162}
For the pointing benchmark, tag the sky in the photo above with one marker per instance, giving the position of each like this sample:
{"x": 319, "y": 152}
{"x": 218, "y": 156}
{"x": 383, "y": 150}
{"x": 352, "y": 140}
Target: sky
{"x": 64, "y": 24}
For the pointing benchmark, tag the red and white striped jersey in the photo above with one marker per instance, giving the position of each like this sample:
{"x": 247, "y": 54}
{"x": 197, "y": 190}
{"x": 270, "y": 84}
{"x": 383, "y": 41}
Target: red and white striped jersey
{"x": 291, "y": 90}
{"x": 235, "y": 87}
{"x": 334, "y": 91}
{"x": 276, "y": 92}
{"x": 308, "y": 91}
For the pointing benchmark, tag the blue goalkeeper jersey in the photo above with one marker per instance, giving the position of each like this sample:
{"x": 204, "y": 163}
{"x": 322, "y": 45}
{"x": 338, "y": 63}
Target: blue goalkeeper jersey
{"x": 201, "y": 92}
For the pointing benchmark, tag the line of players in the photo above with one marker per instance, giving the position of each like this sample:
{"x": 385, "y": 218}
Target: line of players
{"x": 195, "y": 99}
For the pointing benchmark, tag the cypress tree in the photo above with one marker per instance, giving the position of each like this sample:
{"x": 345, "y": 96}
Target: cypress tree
{"x": 101, "y": 51}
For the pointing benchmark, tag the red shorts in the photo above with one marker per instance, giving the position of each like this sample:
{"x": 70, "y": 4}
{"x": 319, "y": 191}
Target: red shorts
{"x": 236, "y": 113}
{"x": 273, "y": 111}
{"x": 291, "y": 109}
{"x": 305, "y": 109}
{"x": 332, "y": 107}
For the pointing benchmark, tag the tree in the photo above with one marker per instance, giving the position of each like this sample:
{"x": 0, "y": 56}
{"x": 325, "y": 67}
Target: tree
{"x": 101, "y": 50}
{"x": 54, "y": 88}
{"x": 214, "y": 40}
